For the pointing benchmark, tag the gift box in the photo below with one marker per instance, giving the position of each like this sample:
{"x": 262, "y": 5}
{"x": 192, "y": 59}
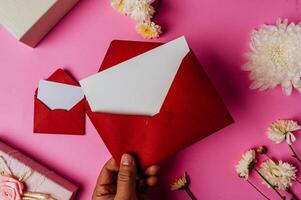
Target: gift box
{"x": 29, "y": 21}
{"x": 23, "y": 178}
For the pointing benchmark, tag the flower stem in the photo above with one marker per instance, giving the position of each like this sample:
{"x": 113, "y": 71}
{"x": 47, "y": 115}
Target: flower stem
{"x": 190, "y": 194}
{"x": 268, "y": 156}
{"x": 256, "y": 188}
{"x": 295, "y": 155}
{"x": 294, "y": 197}
{"x": 273, "y": 187}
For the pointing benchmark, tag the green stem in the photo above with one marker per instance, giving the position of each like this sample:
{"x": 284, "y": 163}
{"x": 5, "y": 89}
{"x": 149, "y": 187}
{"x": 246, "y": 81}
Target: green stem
{"x": 295, "y": 155}
{"x": 190, "y": 194}
{"x": 256, "y": 188}
{"x": 273, "y": 187}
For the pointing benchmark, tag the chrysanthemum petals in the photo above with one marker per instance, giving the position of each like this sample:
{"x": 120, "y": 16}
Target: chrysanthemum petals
{"x": 246, "y": 164}
{"x": 287, "y": 88}
{"x": 180, "y": 183}
{"x": 255, "y": 85}
{"x": 275, "y": 57}
{"x": 297, "y": 84}
{"x": 281, "y": 130}
{"x": 141, "y": 11}
{"x": 149, "y": 30}
{"x": 118, "y": 5}
{"x": 247, "y": 67}
{"x": 280, "y": 175}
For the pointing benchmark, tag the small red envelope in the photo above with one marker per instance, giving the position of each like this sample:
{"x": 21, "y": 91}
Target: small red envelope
{"x": 191, "y": 111}
{"x": 59, "y": 121}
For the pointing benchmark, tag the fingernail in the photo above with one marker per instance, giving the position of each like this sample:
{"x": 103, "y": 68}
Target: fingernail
{"x": 126, "y": 160}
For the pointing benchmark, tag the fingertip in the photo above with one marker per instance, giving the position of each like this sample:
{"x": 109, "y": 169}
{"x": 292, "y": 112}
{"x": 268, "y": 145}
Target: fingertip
{"x": 126, "y": 180}
{"x": 108, "y": 173}
{"x": 111, "y": 162}
{"x": 152, "y": 170}
{"x": 111, "y": 165}
{"x": 151, "y": 181}
{"x": 127, "y": 160}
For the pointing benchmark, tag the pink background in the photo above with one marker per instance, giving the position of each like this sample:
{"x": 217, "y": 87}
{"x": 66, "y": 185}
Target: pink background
{"x": 217, "y": 30}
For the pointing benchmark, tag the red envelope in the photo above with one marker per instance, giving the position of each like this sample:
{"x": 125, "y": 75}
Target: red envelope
{"x": 70, "y": 122}
{"x": 191, "y": 111}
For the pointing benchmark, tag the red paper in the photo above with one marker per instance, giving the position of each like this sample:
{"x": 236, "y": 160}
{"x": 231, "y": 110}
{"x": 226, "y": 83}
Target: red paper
{"x": 70, "y": 122}
{"x": 191, "y": 111}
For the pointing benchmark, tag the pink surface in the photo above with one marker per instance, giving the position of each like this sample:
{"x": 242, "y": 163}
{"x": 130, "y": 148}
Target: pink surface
{"x": 217, "y": 30}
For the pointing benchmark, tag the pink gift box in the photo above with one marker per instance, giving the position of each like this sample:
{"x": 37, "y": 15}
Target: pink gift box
{"x": 41, "y": 180}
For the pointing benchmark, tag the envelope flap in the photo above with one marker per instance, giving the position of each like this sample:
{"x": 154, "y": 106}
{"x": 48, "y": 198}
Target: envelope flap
{"x": 61, "y": 76}
{"x": 115, "y": 53}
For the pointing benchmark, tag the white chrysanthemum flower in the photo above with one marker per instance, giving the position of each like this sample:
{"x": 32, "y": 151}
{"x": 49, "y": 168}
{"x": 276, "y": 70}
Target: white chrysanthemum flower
{"x": 246, "y": 164}
{"x": 282, "y": 130}
{"x": 139, "y": 10}
{"x": 280, "y": 175}
{"x": 275, "y": 57}
{"x": 149, "y": 30}
{"x": 142, "y": 12}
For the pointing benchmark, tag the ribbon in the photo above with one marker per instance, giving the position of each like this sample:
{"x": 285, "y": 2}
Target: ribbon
{"x": 25, "y": 195}
{"x": 290, "y": 138}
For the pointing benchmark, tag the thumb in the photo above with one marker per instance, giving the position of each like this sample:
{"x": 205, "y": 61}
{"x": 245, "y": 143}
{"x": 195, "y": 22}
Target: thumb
{"x": 126, "y": 182}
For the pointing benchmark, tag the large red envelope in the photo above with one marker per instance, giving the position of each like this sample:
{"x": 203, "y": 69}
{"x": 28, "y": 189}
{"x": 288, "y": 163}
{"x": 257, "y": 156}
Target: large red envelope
{"x": 70, "y": 122}
{"x": 191, "y": 111}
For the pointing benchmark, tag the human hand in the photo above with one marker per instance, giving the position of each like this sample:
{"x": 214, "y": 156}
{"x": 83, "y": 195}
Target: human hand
{"x": 123, "y": 183}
